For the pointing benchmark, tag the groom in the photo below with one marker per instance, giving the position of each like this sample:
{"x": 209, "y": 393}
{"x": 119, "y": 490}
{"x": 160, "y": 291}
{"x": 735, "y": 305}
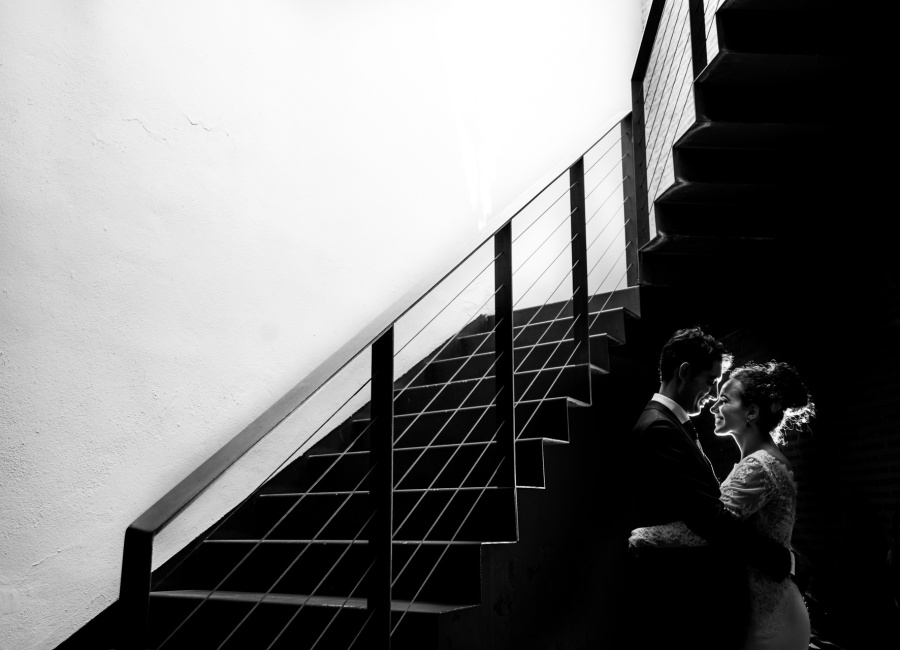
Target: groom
{"x": 689, "y": 597}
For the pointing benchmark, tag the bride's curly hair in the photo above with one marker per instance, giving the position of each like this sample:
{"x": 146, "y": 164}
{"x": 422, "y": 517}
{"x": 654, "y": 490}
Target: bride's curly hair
{"x": 775, "y": 387}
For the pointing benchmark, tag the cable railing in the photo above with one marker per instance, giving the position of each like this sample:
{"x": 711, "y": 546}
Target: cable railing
{"x": 472, "y": 351}
{"x": 679, "y": 39}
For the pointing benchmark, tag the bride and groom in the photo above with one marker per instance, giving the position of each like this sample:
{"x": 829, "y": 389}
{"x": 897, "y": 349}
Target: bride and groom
{"x": 711, "y": 564}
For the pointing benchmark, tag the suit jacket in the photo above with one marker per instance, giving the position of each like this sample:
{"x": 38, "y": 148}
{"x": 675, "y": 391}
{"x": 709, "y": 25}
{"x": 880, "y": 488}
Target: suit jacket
{"x": 676, "y": 482}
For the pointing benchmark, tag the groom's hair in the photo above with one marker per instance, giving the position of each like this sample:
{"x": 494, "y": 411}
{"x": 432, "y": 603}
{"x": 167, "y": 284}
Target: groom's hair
{"x": 694, "y": 346}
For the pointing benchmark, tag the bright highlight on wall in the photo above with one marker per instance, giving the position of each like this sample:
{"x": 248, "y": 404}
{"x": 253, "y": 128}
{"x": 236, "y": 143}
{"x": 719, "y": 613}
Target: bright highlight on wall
{"x": 201, "y": 200}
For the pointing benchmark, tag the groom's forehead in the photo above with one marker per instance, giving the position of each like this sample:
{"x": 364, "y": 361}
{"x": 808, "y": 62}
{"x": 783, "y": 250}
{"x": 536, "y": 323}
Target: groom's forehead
{"x": 714, "y": 370}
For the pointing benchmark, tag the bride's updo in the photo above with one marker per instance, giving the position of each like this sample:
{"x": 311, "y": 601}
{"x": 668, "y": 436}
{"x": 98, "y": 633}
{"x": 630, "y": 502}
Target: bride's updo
{"x": 784, "y": 401}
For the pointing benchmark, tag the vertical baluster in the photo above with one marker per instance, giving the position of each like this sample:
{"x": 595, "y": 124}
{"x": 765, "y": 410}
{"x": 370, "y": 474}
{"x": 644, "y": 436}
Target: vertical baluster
{"x": 639, "y": 162}
{"x": 503, "y": 355}
{"x": 579, "y": 264}
{"x": 630, "y": 211}
{"x": 638, "y": 123}
{"x": 698, "y": 35}
{"x": 381, "y": 483}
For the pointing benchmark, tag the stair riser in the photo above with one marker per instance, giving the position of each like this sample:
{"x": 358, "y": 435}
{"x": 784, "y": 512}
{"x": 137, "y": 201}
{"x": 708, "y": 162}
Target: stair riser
{"x": 808, "y": 104}
{"x": 751, "y": 166}
{"x": 492, "y": 517}
{"x": 787, "y": 32}
{"x": 332, "y": 570}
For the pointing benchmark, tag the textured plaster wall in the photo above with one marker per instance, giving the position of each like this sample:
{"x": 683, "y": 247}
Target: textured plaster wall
{"x": 200, "y": 201}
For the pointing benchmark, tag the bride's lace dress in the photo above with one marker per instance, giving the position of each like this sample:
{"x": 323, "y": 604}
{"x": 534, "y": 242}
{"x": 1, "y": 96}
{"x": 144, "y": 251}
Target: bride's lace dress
{"x": 759, "y": 484}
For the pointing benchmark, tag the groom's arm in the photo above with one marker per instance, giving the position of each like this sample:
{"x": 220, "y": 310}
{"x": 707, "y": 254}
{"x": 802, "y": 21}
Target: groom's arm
{"x": 679, "y": 488}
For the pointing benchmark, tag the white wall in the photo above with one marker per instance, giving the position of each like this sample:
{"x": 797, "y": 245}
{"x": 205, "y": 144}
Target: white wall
{"x": 201, "y": 200}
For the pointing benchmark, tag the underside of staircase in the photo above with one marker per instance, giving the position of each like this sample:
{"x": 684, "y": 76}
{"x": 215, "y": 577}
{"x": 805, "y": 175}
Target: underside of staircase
{"x": 766, "y": 174}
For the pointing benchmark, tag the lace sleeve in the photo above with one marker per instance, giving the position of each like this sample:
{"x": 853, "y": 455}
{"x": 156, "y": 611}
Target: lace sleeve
{"x": 748, "y": 488}
{"x": 672, "y": 535}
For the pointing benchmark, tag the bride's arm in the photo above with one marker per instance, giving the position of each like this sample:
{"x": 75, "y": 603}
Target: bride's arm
{"x": 747, "y": 489}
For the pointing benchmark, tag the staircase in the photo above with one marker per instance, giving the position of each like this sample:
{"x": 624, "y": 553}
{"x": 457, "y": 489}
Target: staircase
{"x": 765, "y": 169}
{"x": 481, "y": 564}
{"x": 300, "y": 540}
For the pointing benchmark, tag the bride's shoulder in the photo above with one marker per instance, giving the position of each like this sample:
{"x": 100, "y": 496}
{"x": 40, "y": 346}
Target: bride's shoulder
{"x": 773, "y": 458}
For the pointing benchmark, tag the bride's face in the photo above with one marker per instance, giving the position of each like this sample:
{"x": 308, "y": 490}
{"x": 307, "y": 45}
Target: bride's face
{"x": 729, "y": 411}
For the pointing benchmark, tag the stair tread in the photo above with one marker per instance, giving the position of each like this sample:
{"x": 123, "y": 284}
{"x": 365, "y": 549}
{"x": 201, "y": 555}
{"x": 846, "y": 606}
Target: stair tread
{"x": 571, "y": 400}
{"x": 406, "y": 450}
{"x": 302, "y": 599}
{"x": 519, "y": 373}
{"x": 490, "y": 354}
{"x": 429, "y": 542}
{"x": 396, "y": 490}
{"x": 560, "y": 319}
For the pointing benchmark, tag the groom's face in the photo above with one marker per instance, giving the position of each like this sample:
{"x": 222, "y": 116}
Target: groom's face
{"x": 701, "y": 388}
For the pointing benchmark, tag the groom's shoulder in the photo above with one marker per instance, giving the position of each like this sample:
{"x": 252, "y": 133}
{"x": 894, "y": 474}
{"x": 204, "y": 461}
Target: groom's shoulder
{"x": 653, "y": 416}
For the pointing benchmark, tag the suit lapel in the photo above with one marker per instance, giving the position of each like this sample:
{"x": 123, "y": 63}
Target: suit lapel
{"x": 688, "y": 435}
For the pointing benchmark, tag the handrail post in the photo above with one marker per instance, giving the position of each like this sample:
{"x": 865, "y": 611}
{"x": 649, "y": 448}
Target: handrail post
{"x": 639, "y": 163}
{"x": 381, "y": 483}
{"x": 698, "y": 35}
{"x": 504, "y": 366}
{"x": 630, "y": 211}
{"x": 134, "y": 589}
{"x": 638, "y": 124}
{"x": 580, "y": 325}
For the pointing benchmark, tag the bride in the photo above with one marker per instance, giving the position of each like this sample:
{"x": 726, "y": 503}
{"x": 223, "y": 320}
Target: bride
{"x": 754, "y": 406}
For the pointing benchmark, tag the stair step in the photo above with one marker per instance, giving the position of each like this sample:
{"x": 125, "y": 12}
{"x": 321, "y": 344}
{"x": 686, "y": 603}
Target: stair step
{"x": 548, "y": 418}
{"x": 489, "y": 514}
{"x": 299, "y": 619}
{"x": 628, "y": 298}
{"x": 301, "y": 599}
{"x": 544, "y": 355}
{"x": 470, "y": 464}
{"x": 780, "y": 154}
{"x": 730, "y": 210}
{"x": 719, "y": 249}
{"x": 610, "y": 322}
{"x": 444, "y": 571}
{"x": 754, "y": 88}
{"x": 781, "y": 27}
{"x": 569, "y": 381}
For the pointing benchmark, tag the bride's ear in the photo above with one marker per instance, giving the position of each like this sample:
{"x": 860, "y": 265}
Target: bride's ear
{"x": 752, "y": 413}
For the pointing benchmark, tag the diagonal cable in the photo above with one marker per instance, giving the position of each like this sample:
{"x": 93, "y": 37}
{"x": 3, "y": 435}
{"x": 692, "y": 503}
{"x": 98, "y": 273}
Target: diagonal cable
{"x": 543, "y": 213}
{"x": 603, "y": 155}
{"x": 453, "y": 539}
{"x": 450, "y": 302}
{"x": 278, "y": 469}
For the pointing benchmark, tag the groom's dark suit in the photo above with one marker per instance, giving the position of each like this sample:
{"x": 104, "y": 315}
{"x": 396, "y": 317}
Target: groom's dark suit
{"x": 690, "y": 597}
